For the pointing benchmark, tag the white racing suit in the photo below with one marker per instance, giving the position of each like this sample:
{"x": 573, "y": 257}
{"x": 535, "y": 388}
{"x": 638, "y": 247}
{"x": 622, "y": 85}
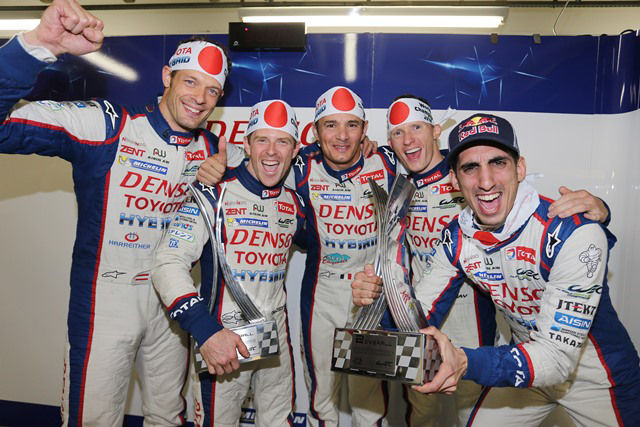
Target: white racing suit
{"x": 260, "y": 224}
{"x": 130, "y": 172}
{"x": 471, "y": 320}
{"x": 549, "y": 281}
{"x": 340, "y": 239}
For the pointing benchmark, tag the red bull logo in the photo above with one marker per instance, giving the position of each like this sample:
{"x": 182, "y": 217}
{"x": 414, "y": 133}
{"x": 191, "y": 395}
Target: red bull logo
{"x": 477, "y": 121}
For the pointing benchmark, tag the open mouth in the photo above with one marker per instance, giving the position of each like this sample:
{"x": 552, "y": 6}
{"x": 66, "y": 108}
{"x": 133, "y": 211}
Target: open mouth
{"x": 489, "y": 203}
{"x": 413, "y": 154}
{"x": 270, "y": 166}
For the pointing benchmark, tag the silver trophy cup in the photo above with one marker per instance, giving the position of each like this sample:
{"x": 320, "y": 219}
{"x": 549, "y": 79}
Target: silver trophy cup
{"x": 405, "y": 355}
{"x": 259, "y": 334}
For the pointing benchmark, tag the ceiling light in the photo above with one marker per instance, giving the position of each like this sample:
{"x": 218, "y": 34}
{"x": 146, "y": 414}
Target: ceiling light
{"x": 381, "y": 17}
{"x": 18, "y": 24}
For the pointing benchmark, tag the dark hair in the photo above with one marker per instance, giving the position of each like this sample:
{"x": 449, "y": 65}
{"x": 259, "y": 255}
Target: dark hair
{"x": 453, "y": 161}
{"x": 410, "y": 95}
{"x": 220, "y": 45}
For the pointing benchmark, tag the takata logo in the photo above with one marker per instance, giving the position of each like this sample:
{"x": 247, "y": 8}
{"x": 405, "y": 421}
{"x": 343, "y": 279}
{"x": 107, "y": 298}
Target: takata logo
{"x": 131, "y": 237}
{"x": 375, "y": 175}
{"x": 196, "y": 155}
{"x": 287, "y": 208}
{"x": 521, "y": 253}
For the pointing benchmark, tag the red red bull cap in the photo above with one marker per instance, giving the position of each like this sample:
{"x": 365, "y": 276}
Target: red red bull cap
{"x": 273, "y": 114}
{"x": 481, "y": 128}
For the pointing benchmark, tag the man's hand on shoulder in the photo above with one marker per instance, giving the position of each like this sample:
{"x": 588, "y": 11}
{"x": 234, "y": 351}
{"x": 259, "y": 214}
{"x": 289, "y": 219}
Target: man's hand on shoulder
{"x": 578, "y": 201}
{"x": 369, "y": 147}
{"x": 219, "y": 352}
{"x": 66, "y": 27}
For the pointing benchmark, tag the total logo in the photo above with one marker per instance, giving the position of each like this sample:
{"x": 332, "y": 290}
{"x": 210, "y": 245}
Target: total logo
{"x": 131, "y": 237}
{"x": 521, "y": 253}
{"x": 443, "y": 189}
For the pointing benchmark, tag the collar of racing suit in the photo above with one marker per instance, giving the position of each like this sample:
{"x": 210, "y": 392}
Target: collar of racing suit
{"x": 162, "y": 128}
{"x": 434, "y": 174}
{"x": 252, "y": 184}
{"x": 344, "y": 174}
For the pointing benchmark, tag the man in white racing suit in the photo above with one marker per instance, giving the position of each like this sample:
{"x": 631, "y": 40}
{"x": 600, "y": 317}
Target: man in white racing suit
{"x": 547, "y": 276}
{"x": 341, "y": 238}
{"x": 261, "y": 218}
{"x": 131, "y": 166}
{"x": 413, "y": 136}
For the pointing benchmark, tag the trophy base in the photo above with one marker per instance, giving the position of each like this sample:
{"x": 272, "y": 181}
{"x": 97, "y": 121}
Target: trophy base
{"x": 261, "y": 340}
{"x": 409, "y": 357}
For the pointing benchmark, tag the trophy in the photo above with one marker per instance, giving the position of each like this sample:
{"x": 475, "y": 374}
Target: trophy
{"x": 259, "y": 334}
{"x": 405, "y": 355}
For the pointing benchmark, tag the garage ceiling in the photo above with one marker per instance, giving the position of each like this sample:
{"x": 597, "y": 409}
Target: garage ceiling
{"x": 22, "y": 5}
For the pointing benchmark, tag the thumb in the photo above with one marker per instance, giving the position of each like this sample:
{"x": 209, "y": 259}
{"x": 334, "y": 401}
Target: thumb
{"x": 242, "y": 348}
{"x": 369, "y": 271}
{"x": 222, "y": 146}
{"x": 563, "y": 190}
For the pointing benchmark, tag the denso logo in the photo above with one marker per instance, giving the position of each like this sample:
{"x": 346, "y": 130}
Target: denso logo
{"x": 287, "y": 208}
{"x": 131, "y": 150}
{"x": 375, "y": 175}
{"x": 521, "y": 253}
{"x": 131, "y": 237}
{"x": 196, "y": 155}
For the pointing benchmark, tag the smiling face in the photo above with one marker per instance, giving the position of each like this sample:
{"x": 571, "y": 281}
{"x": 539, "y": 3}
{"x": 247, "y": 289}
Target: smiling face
{"x": 270, "y": 153}
{"x": 415, "y": 144}
{"x": 189, "y": 98}
{"x": 488, "y": 178}
{"x": 340, "y": 136}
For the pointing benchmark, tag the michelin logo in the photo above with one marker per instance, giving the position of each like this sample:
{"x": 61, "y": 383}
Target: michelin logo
{"x": 139, "y": 164}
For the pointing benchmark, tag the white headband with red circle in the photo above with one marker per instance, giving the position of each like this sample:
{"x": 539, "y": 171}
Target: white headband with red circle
{"x": 406, "y": 110}
{"x": 201, "y": 56}
{"x": 339, "y": 99}
{"x": 273, "y": 114}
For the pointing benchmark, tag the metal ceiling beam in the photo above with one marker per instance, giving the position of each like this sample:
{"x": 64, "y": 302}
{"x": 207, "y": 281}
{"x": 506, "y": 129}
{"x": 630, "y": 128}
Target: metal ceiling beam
{"x": 368, "y": 3}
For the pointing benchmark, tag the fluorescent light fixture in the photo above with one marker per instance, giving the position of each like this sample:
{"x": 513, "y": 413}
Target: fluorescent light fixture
{"x": 18, "y": 24}
{"x": 381, "y": 17}
{"x": 111, "y": 66}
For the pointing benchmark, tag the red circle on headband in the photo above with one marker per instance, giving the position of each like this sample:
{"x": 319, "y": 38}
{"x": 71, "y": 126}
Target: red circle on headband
{"x": 211, "y": 60}
{"x": 399, "y": 113}
{"x": 343, "y": 100}
{"x": 275, "y": 115}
